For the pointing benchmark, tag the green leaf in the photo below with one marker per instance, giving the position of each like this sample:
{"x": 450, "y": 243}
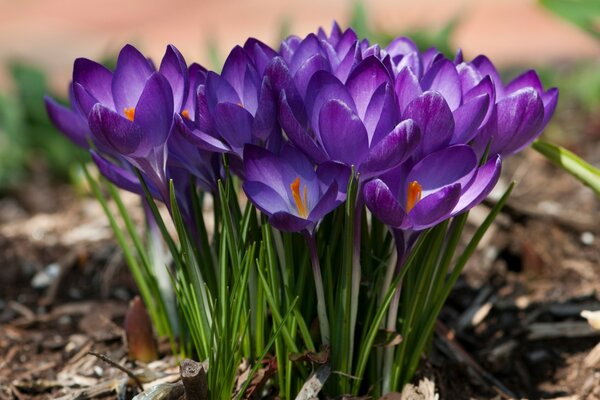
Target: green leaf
{"x": 571, "y": 163}
{"x": 583, "y": 13}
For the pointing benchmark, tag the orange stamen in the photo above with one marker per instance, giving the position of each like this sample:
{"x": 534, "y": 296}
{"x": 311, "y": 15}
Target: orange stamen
{"x": 185, "y": 114}
{"x": 413, "y": 195}
{"x": 301, "y": 204}
{"x": 129, "y": 113}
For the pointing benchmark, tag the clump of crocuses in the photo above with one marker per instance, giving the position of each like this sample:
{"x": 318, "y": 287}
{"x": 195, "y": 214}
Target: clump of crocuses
{"x": 356, "y": 147}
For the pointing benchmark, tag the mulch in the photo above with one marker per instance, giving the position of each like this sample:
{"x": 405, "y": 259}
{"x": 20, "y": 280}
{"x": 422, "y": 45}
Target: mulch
{"x": 511, "y": 329}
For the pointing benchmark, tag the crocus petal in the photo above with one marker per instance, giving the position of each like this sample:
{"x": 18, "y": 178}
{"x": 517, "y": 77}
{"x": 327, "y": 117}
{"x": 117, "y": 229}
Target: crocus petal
{"x": 288, "y": 47}
{"x": 324, "y": 87}
{"x": 198, "y": 138}
{"x": 95, "y": 78}
{"x": 265, "y": 119}
{"x": 392, "y": 150}
{"x": 434, "y": 208}
{"x": 485, "y": 67}
{"x": 218, "y": 90}
{"x": 234, "y": 69}
{"x": 519, "y": 118}
{"x": 383, "y": 204}
{"x": 431, "y": 112}
{"x": 407, "y": 88}
{"x": 73, "y": 125}
{"x": 550, "y": 99}
{"x": 197, "y": 77}
{"x": 401, "y": 46}
{"x": 263, "y": 166}
{"x": 174, "y": 68}
{"x": 130, "y": 76}
{"x": 454, "y": 164}
{"x": 307, "y": 70}
{"x": 294, "y": 164}
{"x": 260, "y": 53}
{"x": 121, "y": 177}
{"x": 265, "y": 198}
{"x": 84, "y": 100}
{"x": 481, "y": 185}
{"x": 234, "y": 124}
{"x": 307, "y": 49}
{"x": 114, "y": 131}
{"x": 348, "y": 62}
{"x": 364, "y": 80}
{"x": 203, "y": 115}
{"x": 469, "y": 76}
{"x": 411, "y": 61}
{"x": 527, "y": 79}
{"x": 468, "y": 118}
{"x": 442, "y": 77}
{"x": 382, "y": 114}
{"x": 298, "y": 133}
{"x": 249, "y": 95}
{"x": 154, "y": 110}
{"x": 342, "y": 133}
{"x": 326, "y": 204}
{"x": 333, "y": 171}
{"x": 287, "y": 222}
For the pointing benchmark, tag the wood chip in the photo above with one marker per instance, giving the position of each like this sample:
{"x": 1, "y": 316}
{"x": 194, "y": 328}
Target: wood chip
{"x": 558, "y": 330}
{"x": 314, "y": 384}
{"x": 592, "y": 360}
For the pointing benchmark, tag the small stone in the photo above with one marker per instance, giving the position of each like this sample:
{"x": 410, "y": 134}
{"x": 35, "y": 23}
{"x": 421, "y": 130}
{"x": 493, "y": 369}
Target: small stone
{"x": 587, "y": 238}
{"x": 46, "y": 277}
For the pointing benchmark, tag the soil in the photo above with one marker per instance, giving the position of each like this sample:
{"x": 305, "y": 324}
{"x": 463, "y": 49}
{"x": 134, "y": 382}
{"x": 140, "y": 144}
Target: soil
{"x": 511, "y": 329}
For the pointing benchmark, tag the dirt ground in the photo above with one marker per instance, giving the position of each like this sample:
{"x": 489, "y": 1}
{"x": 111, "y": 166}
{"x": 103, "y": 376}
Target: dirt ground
{"x": 512, "y": 328}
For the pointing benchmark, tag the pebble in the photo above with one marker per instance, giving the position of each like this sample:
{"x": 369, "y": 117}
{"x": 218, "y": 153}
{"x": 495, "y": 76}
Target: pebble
{"x": 45, "y": 277}
{"x": 587, "y": 238}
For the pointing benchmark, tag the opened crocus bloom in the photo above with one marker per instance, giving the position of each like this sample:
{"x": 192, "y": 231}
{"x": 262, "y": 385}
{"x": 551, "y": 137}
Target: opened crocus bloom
{"x": 441, "y": 185}
{"x": 288, "y": 189}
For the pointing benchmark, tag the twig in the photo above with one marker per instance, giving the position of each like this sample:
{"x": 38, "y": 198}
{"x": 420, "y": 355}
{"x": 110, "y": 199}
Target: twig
{"x": 461, "y": 355}
{"x": 193, "y": 376}
{"x": 314, "y": 384}
{"x": 116, "y": 365}
{"x": 521, "y": 214}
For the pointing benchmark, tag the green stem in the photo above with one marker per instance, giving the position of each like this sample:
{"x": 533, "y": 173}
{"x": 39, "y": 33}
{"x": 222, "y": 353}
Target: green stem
{"x": 321, "y": 309}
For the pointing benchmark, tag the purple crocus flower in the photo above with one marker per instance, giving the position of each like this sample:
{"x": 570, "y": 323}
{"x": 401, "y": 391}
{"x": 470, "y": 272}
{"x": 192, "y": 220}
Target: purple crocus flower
{"x": 338, "y": 53}
{"x": 129, "y": 113}
{"x": 445, "y": 113}
{"x": 236, "y": 107}
{"x": 522, "y": 109}
{"x": 443, "y": 184}
{"x": 355, "y": 123}
{"x": 288, "y": 189}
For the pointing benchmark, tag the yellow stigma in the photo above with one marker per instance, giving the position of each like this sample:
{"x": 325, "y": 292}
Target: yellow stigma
{"x": 129, "y": 113}
{"x": 301, "y": 202}
{"x": 413, "y": 195}
{"x": 185, "y": 114}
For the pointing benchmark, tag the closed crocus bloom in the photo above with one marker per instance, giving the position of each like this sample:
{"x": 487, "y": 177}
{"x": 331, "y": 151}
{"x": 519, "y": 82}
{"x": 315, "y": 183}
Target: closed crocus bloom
{"x": 355, "y": 123}
{"x": 72, "y": 122}
{"x": 436, "y": 101}
{"x": 337, "y": 53}
{"x": 522, "y": 109}
{"x": 238, "y": 106}
{"x": 129, "y": 113}
{"x": 288, "y": 189}
{"x": 443, "y": 184}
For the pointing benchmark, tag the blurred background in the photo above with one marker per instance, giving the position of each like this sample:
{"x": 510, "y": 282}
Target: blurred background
{"x": 39, "y": 39}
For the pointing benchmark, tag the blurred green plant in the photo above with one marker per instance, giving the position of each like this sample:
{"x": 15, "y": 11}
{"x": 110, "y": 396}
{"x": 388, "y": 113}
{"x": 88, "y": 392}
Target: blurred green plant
{"x": 26, "y": 133}
{"x": 424, "y": 37}
{"x": 583, "y": 13}
{"x": 571, "y": 163}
